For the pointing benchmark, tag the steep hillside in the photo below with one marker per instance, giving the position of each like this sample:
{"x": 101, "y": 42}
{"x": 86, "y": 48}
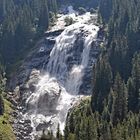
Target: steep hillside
{"x": 6, "y": 130}
{"x": 115, "y": 99}
{"x": 75, "y": 75}
{"x": 22, "y": 23}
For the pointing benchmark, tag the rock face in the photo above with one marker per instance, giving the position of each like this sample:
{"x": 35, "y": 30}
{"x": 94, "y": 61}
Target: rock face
{"x": 52, "y": 77}
{"x": 46, "y": 96}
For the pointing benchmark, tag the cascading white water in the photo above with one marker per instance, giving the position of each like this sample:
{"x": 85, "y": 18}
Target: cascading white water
{"x": 58, "y": 89}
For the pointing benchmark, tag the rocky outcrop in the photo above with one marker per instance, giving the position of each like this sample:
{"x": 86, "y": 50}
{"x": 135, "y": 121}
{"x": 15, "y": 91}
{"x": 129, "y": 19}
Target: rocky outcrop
{"x": 22, "y": 127}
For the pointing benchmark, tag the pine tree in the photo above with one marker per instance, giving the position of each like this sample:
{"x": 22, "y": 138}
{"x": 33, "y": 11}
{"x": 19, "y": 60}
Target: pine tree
{"x": 2, "y": 84}
{"x": 66, "y": 132}
{"x": 58, "y": 132}
{"x": 44, "y": 16}
{"x": 102, "y": 83}
{"x": 71, "y": 124}
{"x": 131, "y": 95}
{"x": 136, "y": 79}
{"x": 21, "y": 23}
{"x": 1, "y": 105}
{"x": 120, "y": 106}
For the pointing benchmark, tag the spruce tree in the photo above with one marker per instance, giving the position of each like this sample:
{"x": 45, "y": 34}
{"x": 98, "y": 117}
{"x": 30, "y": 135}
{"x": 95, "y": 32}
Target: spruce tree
{"x": 44, "y": 16}
{"x": 120, "y": 105}
{"x": 1, "y": 105}
{"x": 102, "y": 83}
{"x": 136, "y": 80}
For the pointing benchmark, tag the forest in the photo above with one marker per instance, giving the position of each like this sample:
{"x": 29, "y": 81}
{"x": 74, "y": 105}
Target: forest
{"x": 112, "y": 112}
{"x": 22, "y": 23}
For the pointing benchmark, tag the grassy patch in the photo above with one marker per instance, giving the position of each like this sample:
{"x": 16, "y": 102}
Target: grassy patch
{"x": 6, "y": 131}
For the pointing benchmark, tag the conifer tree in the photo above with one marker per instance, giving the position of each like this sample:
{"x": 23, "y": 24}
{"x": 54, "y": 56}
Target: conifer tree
{"x": 102, "y": 83}
{"x": 136, "y": 80}
{"x": 44, "y": 16}
{"x": 1, "y": 105}
{"x": 120, "y": 106}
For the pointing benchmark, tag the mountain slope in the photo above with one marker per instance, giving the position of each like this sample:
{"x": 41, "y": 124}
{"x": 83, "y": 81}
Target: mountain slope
{"x": 115, "y": 100}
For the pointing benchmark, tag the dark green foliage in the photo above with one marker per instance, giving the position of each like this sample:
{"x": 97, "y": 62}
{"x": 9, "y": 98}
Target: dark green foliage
{"x": 123, "y": 33}
{"x": 92, "y": 11}
{"x": 44, "y": 17}
{"x": 95, "y": 126}
{"x": 105, "y": 9}
{"x": 58, "y": 133}
{"x": 2, "y": 84}
{"x": 119, "y": 58}
{"x": 81, "y": 10}
{"x": 48, "y": 136}
{"x": 52, "y": 6}
{"x": 119, "y": 106}
{"x": 1, "y": 105}
{"x": 80, "y": 3}
{"x": 102, "y": 83}
{"x": 22, "y": 22}
{"x": 123, "y": 43}
{"x": 134, "y": 85}
{"x": 52, "y": 18}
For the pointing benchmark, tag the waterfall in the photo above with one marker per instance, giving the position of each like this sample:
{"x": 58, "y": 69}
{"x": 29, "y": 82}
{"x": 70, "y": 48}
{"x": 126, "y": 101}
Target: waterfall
{"x": 58, "y": 89}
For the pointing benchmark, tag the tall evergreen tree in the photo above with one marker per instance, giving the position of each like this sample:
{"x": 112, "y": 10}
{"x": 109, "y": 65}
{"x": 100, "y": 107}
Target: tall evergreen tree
{"x": 44, "y": 16}
{"x": 136, "y": 81}
{"x": 102, "y": 83}
{"x": 120, "y": 105}
{"x": 1, "y": 105}
{"x": 2, "y": 84}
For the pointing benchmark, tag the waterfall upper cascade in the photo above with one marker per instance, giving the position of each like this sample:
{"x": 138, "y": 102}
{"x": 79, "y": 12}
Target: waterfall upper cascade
{"x": 59, "y": 85}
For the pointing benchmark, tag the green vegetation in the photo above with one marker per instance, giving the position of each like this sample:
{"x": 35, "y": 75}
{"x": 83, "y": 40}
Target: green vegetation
{"x": 113, "y": 113}
{"x": 80, "y": 3}
{"x": 83, "y": 124}
{"x": 6, "y": 131}
{"x": 81, "y": 10}
{"x": 93, "y": 11}
{"x": 49, "y": 136}
{"x": 2, "y": 86}
{"x": 21, "y": 25}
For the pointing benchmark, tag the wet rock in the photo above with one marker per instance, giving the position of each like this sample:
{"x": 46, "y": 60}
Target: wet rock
{"x": 49, "y": 101}
{"x": 14, "y": 114}
{"x": 43, "y": 126}
{"x": 22, "y": 129}
{"x": 33, "y": 79}
{"x": 54, "y": 33}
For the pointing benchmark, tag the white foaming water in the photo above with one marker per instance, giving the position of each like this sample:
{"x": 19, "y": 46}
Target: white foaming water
{"x": 58, "y": 89}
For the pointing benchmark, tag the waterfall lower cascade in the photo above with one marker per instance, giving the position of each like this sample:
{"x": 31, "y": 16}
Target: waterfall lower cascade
{"x": 59, "y": 86}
